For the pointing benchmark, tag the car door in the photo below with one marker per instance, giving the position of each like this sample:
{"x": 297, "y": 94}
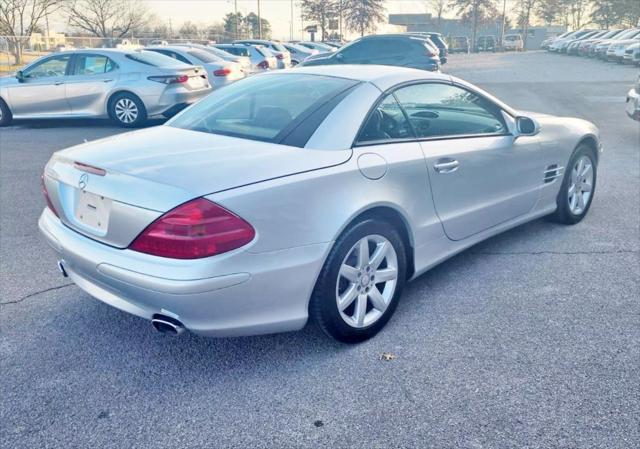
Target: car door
{"x": 41, "y": 91}
{"x": 92, "y": 77}
{"x": 387, "y": 153}
{"x": 480, "y": 174}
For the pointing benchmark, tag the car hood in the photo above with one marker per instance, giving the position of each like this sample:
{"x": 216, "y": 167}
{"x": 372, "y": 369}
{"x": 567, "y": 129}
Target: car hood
{"x": 161, "y": 167}
{"x": 8, "y": 81}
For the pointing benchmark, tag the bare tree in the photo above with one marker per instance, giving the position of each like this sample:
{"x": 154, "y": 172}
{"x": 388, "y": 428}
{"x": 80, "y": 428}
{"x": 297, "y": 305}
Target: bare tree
{"x": 525, "y": 10}
{"x": 20, "y": 18}
{"x": 112, "y": 19}
{"x": 320, "y": 12}
{"x": 440, "y": 7}
{"x": 364, "y": 15}
{"x": 475, "y": 12}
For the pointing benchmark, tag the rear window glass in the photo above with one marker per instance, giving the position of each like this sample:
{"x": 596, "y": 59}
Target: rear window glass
{"x": 154, "y": 59}
{"x": 262, "y": 108}
{"x": 203, "y": 55}
{"x": 264, "y": 51}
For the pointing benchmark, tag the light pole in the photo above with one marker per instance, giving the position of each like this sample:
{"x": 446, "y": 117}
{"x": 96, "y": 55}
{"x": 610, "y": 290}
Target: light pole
{"x": 504, "y": 11}
{"x": 259, "y": 22}
{"x": 291, "y": 30}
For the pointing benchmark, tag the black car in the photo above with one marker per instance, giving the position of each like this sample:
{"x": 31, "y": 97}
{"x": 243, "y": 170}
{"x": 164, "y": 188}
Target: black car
{"x": 486, "y": 43}
{"x": 402, "y": 50}
{"x": 438, "y": 41}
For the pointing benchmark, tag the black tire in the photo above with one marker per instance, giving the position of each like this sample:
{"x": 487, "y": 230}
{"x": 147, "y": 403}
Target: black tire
{"x": 123, "y": 99}
{"x": 5, "y": 114}
{"x": 323, "y": 308}
{"x": 563, "y": 213}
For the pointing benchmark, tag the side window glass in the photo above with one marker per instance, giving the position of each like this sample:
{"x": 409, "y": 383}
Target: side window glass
{"x": 52, "y": 67}
{"x": 437, "y": 110}
{"x": 386, "y": 122}
{"x": 93, "y": 65}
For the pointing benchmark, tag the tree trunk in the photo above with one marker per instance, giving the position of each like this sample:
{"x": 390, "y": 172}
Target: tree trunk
{"x": 475, "y": 24}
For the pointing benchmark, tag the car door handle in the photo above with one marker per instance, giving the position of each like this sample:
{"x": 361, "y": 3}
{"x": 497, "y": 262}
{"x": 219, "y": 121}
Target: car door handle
{"x": 107, "y": 81}
{"x": 446, "y": 165}
{"x": 58, "y": 83}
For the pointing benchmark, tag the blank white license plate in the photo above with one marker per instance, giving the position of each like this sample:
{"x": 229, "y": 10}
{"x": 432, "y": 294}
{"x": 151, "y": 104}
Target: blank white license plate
{"x": 93, "y": 210}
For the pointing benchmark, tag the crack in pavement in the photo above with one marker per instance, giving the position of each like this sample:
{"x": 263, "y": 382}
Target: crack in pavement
{"x": 535, "y": 253}
{"x": 30, "y": 295}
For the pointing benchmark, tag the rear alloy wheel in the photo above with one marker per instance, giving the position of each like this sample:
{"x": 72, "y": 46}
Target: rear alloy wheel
{"x": 127, "y": 110}
{"x": 578, "y": 187}
{"x": 5, "y": 114}
{"x": 359, "y": 286}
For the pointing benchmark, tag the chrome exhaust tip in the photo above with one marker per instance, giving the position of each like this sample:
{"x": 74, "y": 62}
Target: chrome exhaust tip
{"x": 167, "y": 325}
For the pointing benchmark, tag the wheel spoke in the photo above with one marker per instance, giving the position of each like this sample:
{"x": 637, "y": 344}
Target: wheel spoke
{"x": 581, "y": 201}
{"x": 572, "y": 189}
{"x": 361, "y": 310}
{"x": 377, "y": 300}
{"x": 348, "y": 272}
{"x": 580, "y": 166}
{"x": 386, "y": 274}
{"x": 587, "y": 168}
{"x": 347, "y": 298}
{"x": 586, "y": 187}
{"x": 363, "y": 253}
{"x": 573, "y": 201}
{"x": 379, "y": 254}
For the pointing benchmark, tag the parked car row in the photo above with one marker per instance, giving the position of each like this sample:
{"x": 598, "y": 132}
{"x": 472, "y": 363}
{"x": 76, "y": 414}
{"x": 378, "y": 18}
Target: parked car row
{"x": 618, "y": 45}
{"x": 130, "y": 86}
{"x": 510, "y": 42}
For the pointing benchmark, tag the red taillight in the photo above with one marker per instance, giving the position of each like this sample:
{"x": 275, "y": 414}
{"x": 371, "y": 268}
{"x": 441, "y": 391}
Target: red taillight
{"x": 279, "y": 56}
{"x": 43, "y": 187}
{"x": 169, "y": 79}
{"x": 222, "y": 72}
{"x": 264, "y": 65}
{"x": 199, "y": 228}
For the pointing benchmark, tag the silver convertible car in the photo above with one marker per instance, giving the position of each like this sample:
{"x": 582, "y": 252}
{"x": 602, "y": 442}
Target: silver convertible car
{"x": 313, "y": 192}
{"x": 126, "y": 85}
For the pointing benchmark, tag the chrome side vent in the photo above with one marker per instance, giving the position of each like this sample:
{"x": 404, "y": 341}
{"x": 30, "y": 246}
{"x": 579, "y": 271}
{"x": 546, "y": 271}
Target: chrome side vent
{"x": 552, "y": 172}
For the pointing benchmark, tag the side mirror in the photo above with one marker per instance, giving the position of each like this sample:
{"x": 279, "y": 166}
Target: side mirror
{"x": 20, "y": 76}
{"x": 526, "y": 126}
{"x": 339, "y": 56}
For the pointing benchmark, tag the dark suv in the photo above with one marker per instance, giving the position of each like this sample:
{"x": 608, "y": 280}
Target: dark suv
{"x": 486, "y": 43}
{"x": 402, "y": 50}
{"x": 438, "y": 41}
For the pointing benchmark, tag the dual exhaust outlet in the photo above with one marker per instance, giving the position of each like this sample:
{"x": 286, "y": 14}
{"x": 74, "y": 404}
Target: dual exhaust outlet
{"x": 167, "y": 325}
{"x": 162, "y": 323}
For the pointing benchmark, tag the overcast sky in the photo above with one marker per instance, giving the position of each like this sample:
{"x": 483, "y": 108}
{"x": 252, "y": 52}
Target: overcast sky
{"x": 277, "y": 12}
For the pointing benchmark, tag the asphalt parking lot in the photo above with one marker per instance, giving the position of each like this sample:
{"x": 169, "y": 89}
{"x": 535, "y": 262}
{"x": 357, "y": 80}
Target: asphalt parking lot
{"x": 531, "y": 339}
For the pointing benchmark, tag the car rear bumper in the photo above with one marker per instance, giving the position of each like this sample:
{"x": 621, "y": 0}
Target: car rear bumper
{"x": 169, "y": 99}
{"x": 237, "y": 293}
{"x": 633, "y": 104}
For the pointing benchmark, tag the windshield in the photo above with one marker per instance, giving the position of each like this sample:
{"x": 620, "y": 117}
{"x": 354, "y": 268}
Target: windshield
{"x": 262, "y": 108}
{"x": 154, "y": 59}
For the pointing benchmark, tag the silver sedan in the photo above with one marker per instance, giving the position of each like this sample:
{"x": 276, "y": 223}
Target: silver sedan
{"x": 314, "y": 192}
{"x": 127, "y": 86}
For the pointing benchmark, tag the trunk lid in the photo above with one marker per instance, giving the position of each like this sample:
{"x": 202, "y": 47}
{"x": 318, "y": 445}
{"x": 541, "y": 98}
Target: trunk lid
{"x": 151, "y": 171}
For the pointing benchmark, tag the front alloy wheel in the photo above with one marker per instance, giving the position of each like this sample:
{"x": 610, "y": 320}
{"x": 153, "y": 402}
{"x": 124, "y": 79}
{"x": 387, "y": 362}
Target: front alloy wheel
{"x": 578, "y": 186}
{"x": 362, "y": 279}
